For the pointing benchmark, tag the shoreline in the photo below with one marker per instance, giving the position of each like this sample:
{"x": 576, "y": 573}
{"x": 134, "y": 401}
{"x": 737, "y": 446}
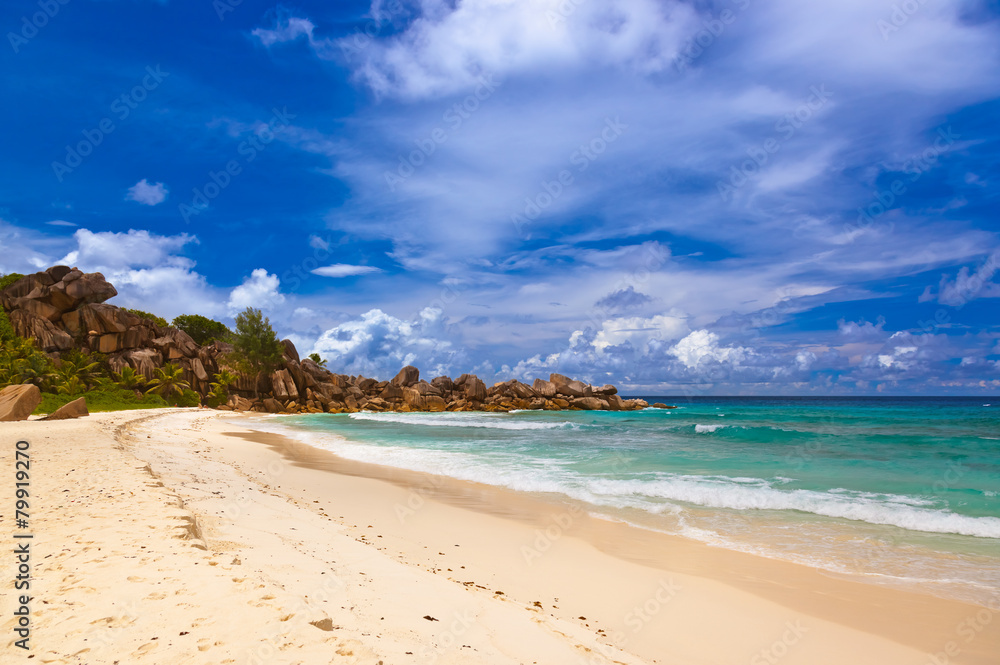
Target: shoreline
{"x": 229, "y": 548}
{"x": 925, "y": 622}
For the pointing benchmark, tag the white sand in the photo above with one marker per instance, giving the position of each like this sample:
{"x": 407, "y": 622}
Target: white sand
{"x": 161, "y": 539}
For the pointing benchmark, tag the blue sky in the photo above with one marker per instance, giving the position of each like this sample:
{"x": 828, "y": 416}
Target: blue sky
{"x": 735, "y": 197}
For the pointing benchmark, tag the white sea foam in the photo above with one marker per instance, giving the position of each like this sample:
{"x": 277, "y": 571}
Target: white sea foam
{"x": 653, "y": 491}
{"x": 483, "y": 420}
{"x": 704, "y": 429}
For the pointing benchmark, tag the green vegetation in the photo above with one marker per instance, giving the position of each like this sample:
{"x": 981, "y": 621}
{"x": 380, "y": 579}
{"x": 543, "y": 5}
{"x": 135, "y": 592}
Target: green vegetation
{"x": 6, "y": 329}
{"x": 79, "y": 374}
{"x": 102, "y": 399}
{"x": 129, "y": 379}
{"x": 7, "y": 280}
{"x": 257, "y": 350}
{"x": 22, "y": 362}
{"x": 169, "y": 383}
{"x": 316, "y": 359}
{"x": 220, "y": 389}
{"x": 158, "y": 320}
{"x": 202, "y": 330}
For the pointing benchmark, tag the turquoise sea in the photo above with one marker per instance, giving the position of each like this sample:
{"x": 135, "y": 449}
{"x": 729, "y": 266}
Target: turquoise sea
{"x": 901, "y": 491}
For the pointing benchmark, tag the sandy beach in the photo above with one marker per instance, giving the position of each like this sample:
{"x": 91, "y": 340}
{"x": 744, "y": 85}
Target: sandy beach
{"x": 180, "y": 536}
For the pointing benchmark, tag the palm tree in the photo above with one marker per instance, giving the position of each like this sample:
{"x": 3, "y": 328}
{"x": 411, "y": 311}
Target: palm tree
{"x": 72, "y": 385}
{"x": 77, "y": 365}
{"x": 129, "y": 379}
{"x": 316, "y": 359}
{"x": 169, "y": 381}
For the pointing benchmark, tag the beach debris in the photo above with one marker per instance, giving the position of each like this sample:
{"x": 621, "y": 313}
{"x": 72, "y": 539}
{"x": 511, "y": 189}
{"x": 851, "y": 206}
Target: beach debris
{"x": 429, "y": 617}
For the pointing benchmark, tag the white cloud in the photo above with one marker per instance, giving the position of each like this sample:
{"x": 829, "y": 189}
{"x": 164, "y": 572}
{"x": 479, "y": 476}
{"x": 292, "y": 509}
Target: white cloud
{"x": 452, "y": 45}
{"x": 344, "y": 270}
{"x": 703, "y": 346}
{"x": 378, "y": 344}
{"x": 967, "y": 286}
{"x": 60, "y": 222}
{"x": 286, "y": 29}
{"x": 259, "y": 290}
{"x": 147, "y": 194}
{"x": 135, "y": 248}
{"x": 638, "y": 331}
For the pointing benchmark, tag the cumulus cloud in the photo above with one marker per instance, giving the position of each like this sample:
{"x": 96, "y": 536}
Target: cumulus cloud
{"x": 259, "y": 290}
{"x": 135, "y": 248}
{"x": 344, "y": 270}
{"x": 378, "y": 344}
{"x": 862, "y": 331}
{"x": 702, "y": 346}
{"x": 452, "y": 45}
{"x": 147, "y": 194}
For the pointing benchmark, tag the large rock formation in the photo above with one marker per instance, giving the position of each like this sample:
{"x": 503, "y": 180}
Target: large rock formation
{"x": 63, "y": 308}
{"x": 17, "y": 402}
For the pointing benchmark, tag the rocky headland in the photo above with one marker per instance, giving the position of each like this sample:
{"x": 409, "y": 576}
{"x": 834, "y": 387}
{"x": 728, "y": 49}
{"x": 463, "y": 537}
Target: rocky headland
{"x": 63, "y": 308}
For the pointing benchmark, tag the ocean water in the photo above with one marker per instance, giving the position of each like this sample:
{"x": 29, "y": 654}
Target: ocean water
{"x": 900, "y": 491}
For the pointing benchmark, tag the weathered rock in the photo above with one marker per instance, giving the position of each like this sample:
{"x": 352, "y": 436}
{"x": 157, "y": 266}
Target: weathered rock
{"x": 17, "y": 402}
{"x": 475, "y": 389}
{"x": 606, "y": 389}
{"x": 48, "y": 337}
{"x": 407, "y": 376}
{"x": 283, "y": 386}
{"x": 39, "y": 309}
{"x": 273, "y": 406}
{"x": 145, "y": 361}
{"x": 589, "y": 404}
{"x": 75, "y": 409}
{"x": 425, "y": 388}
{"x": 521, "y": 390}
{"x": 392, "y": 392}
{"x": 443, "y": 383}
{"x": 58, "y": 272}
{"x": 89, "y": 288}
{"x": 367, "y": 385}
{"x": 560, "y": 402}
{"x": 289, "y": 350}
{"x": 567, "y": 386}
{"x": 615, "y": 403}
{"x": 199, "y": 369}
{"x": 544, "y": 388}
{"x": 661, "y": 405}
